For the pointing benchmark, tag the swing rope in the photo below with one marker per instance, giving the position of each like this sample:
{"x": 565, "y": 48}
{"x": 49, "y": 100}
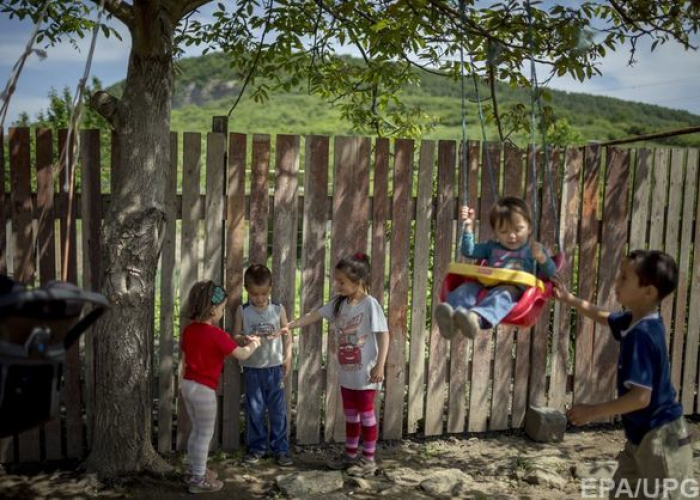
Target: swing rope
{"x": 548, "y": 168}
{"x": 463, "y": 152}
{"x": 533, "y": 119}
{"x": 19, "y": 65}
{"x": 72, "y": 144}
{"x": 465, "y": 172}
{"x": 536, "y": 105}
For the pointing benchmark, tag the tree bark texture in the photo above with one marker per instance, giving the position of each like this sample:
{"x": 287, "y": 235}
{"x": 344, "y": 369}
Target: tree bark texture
{"x": 131, "y": 241}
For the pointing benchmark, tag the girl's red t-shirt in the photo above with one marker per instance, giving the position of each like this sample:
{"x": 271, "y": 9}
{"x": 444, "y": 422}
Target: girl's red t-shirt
{"x": 205, "y": 347}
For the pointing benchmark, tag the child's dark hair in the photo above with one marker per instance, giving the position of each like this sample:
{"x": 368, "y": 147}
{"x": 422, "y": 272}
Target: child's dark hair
{"x": 655, "y": 268}
{"x": 203, "y": 298}
{"x": 505, "y": 208}
{"x": 357, "y": 268}
{"x": 258, "y": 275}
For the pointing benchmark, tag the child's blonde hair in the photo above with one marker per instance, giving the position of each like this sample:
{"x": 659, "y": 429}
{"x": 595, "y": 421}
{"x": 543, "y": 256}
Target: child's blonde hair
{"x": 505, "y": 208}
{"x": 204, "y": 296}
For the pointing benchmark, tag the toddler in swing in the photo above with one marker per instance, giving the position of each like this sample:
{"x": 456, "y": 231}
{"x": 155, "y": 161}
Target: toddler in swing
{"x": 204, "y": 347}
{"x": 511, "y": 222}
{"x": 362, "y": 340}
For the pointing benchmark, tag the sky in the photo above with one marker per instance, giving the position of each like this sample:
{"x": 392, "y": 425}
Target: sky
{"x": 667, "y": 77}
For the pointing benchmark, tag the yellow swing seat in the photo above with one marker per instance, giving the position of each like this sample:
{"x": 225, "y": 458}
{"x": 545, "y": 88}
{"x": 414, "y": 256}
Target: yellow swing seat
{"x": 493, "y": 276}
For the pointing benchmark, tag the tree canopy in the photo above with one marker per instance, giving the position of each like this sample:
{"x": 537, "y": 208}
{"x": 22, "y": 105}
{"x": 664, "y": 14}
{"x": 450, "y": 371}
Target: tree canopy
{"x": 297, "y": 44}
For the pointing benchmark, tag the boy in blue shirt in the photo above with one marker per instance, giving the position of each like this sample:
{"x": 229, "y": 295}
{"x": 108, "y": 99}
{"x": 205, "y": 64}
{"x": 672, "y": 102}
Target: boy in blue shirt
{"x": 657, "y": 458}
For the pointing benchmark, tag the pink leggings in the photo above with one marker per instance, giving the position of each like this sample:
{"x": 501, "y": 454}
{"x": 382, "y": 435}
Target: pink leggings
{"x": 358, "y": 406}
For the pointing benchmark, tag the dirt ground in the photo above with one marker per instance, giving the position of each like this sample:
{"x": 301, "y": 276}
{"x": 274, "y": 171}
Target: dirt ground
{"x": 495, "y": 464}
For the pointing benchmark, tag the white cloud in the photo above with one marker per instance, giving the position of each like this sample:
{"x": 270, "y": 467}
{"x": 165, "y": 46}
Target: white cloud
{"x": 666, "y": 77}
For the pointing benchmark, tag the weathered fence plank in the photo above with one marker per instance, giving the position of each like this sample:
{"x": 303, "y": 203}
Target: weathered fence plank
{"x": 504, "y": 336}
{"x": 46, "y": 246}
{"x": 482, "y": 350}
{"x": 439, "y": 347}
{"x": 612, "y": 250}
{"x": 587, "y": 266}
{"x": 671, "y": 244}
{"x": 421, "y": 254}
{"x": 395, "y": 384}
{"x": 640, "y": 199}
{"x": 311, "y": 375}
{"x": 231, "y": 382}
{"x": 467, "y": 163}
{"x": 540, "y": 332}
{"x": 284, "y": 243}
{"x": 380, "y": 215}
{"x": 24, "y": 247}
{"x": 259, "y": 200}
{"x": 689, "y": 188}
{"x": 72, "y": 390}
{"x": 569, "y": 210}
{"x": 456, "y": 401}
{"x": 691, "y": 347}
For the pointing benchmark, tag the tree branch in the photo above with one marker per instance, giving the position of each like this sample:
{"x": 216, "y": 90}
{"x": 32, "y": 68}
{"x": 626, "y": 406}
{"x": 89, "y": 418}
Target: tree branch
{"x": 121, "y": 10}
{"x": 494, "y": 99}
{"x": 189, "y": 6}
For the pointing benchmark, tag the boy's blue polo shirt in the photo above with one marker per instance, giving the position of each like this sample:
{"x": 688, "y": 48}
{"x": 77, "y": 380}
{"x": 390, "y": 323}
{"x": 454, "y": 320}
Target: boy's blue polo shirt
{"x": 643, "y": 362}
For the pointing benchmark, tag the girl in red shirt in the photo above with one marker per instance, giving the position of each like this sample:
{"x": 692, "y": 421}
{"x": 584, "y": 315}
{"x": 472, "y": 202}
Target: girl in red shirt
{"x": 204, "y": 348}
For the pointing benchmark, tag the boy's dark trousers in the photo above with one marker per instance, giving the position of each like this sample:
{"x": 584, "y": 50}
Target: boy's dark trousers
{"x": 264, "y": 390}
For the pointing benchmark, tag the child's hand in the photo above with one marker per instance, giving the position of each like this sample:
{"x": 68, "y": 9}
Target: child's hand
{"x": 254, "y": 341}
{"x": 581, "y": 414}
{"x": 376, "y": 374}
{"x": 466, "y": 215}
{"x": 560, "y": 290}
{"x": 241, "y": 340}
{"x": 538, "y": 252}
{"x": 285, "y": 330}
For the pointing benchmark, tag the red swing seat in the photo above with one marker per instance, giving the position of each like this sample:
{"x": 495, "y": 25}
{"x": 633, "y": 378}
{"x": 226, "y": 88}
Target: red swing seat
{"x": 529, "y": 306}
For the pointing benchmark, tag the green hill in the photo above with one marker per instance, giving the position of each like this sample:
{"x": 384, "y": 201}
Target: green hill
{"x": 206, "y": 86}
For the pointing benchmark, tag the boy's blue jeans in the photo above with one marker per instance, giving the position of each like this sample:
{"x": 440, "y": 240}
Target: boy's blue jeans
{"x": 264, "y": 390}
{"x": 495, "y": 305}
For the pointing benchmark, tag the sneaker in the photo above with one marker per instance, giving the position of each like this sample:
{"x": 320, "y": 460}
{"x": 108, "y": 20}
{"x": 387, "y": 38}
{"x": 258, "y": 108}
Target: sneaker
{"x": 444, "y": 318}
{"x": 209, "y": 474}
{"x": 363, "y": 468}
{"x": 467, "y": 322}
{"x": 284, "y": 460}
{"x": 342, "y": 462}
{"x": 202, "y": 484}
{"x": 252, "y": 458}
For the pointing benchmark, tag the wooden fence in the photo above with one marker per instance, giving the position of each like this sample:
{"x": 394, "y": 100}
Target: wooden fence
{"x": 397, "y": 200}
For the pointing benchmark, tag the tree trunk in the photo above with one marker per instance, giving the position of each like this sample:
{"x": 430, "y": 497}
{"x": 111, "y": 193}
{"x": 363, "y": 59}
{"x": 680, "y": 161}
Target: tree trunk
{"x": 131, "y": 243}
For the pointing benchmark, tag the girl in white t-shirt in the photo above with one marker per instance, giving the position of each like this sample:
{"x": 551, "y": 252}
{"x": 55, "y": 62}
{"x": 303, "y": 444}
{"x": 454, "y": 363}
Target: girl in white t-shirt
{"x": 362, "y": 339}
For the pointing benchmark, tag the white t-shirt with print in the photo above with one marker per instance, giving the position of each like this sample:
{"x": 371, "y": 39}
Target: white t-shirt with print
{"x": 355, "y": 330}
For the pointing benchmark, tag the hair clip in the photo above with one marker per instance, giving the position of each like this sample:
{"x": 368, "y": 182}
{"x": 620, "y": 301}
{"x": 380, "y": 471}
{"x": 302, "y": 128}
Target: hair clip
{"x": 360, "y": 256}
{"x": 218, "y": 296}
